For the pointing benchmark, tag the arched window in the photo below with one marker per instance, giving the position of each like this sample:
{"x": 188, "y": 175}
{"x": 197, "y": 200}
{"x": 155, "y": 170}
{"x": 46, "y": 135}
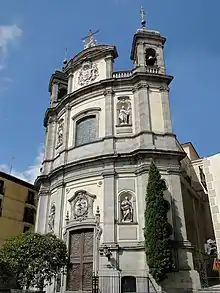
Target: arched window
{"x": 128, "y": 284}
{"x": 151, "y": 58}
{"x": 86, "y": 130}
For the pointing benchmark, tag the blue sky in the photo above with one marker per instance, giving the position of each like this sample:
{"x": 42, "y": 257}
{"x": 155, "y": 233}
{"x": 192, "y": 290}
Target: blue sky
{"x": 33, "y": 38}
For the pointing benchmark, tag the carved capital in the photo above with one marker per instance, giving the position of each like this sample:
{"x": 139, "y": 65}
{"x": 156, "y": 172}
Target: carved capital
{"x": 108, "y": 92}
{"x": 52, "y": 119}
{"x": 67, "y": 107}
{"x": 140, "y": 86}
{"x": 164, "y": 89}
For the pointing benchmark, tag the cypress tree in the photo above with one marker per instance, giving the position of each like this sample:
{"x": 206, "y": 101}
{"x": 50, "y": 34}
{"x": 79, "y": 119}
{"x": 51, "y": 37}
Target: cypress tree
{"x": 158, "y": 247}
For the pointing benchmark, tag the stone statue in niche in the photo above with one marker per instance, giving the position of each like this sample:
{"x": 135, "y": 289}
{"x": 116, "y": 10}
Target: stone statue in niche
{"x": 126, "y": 210}
{"x": 124, "y": 115}
{"x": 60, "y": 133}
{"x": 124, "y": 111}
{"x": 51, "y": 220}
{"x": 81, "y": 206}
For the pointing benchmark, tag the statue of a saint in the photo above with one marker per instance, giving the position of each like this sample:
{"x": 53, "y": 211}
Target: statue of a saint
{"x": 51, "y": 220}
{"x": 60, "y": 134}
{"x": 126, "y": 210}
{"x": 124, "y": 115}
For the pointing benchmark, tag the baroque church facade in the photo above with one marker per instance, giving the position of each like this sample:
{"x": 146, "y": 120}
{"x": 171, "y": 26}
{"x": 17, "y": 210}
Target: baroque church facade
{"x": 103, "y": 128}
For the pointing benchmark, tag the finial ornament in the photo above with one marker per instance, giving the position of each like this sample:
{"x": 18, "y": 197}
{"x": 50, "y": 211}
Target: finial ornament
{"x": 143, "y": 19}
{"x": 65, "y": 59}
{"x": 89, "y": 41}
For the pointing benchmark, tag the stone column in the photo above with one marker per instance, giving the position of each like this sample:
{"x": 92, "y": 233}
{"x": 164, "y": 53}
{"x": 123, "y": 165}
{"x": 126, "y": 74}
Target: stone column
{"x": 110, "y": 205}
{"x": 109, "y": 66}
{"x": 70, "y": 83}
{"x": 109, "y": 121}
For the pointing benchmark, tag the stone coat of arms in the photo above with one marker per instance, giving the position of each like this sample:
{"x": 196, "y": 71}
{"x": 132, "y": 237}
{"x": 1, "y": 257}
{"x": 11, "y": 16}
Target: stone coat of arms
{"x": 88, "y": 73}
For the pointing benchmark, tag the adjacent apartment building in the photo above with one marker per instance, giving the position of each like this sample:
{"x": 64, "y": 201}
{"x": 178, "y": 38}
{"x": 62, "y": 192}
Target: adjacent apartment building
{"x": 208, "y": 171}
{"x": 18, "y": 201}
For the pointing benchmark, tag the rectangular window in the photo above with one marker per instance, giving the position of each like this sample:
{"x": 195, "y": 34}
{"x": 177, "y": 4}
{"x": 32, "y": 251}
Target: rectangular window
{"x": 29, "y": 215}
{"x": 30, "y": 198}
{"x": 1, "y": 187}
{"x": 86, "y": 130}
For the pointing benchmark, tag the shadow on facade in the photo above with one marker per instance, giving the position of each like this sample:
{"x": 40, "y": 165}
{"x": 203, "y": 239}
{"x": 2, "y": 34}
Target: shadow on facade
{"x": 179, "y": 280}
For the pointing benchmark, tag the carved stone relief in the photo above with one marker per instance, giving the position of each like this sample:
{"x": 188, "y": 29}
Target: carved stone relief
{"x": 88, "y": 73}
{"x": 81, "y": 205}
{"x": 51, "y": 219}
{"x": 124, "y": 111}
{"x": 60, "y": 132}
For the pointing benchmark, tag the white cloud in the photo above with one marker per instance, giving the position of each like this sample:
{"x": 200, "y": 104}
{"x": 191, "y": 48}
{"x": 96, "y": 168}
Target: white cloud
{"x": 8, "y": 35}
{"x": 31, "y": 173}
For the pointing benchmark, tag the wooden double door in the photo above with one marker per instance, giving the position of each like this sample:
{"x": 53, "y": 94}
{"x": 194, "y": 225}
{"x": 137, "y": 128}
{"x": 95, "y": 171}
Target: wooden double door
{"x": 80, "y": 271}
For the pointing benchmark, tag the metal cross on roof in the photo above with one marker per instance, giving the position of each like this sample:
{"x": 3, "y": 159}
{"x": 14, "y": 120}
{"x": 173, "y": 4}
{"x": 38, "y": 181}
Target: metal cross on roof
{"x": 143, "y": 19}
{"x": 89, "y": 41}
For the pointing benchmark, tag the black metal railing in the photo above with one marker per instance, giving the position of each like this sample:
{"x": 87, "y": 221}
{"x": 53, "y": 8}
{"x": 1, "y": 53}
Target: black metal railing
{"x": 122, "y": 284}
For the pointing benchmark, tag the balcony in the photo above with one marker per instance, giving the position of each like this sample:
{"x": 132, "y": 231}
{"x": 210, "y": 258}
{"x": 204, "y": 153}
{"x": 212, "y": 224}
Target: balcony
{"x": 152, "y": 69}
{"x": 129, "y": 73}
{"x": 122, "y": 74}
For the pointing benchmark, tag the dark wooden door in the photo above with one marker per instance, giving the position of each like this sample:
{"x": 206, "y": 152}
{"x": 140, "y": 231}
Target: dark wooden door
{"x": 80, "y": 271}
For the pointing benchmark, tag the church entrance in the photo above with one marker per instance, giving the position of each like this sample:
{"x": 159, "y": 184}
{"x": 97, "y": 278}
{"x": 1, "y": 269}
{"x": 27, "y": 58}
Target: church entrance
{"x": 79, "y": 277}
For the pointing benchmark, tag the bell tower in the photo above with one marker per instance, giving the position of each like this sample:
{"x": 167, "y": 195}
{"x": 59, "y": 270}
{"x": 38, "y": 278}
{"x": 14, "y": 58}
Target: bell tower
{"x": 147, "y": 49}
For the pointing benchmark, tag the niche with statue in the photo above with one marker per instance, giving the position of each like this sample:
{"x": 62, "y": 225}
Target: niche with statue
{"x": 124, "y": 115}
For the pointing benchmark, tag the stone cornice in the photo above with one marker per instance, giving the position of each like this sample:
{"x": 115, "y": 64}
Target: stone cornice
{"x": 135, "y": 155}
{"x": 58, "y": 77}
{"x": 138, "y": 79}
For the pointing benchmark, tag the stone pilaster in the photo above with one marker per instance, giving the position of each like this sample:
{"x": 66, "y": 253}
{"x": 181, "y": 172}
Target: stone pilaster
{"x": 50, "y": 143}
{"x": 109, "y": 66}
{"x": 42, "y": 211}
{"x": 166, "y": 109}
{"x": 60, "y": 196}
{"x": 160, "y": 59}
{"x": 54, "y": 94}
{"x": 109, "y": 208}
{"x": 142, "y": 115}
{"x": 109, "y": 121}
{"x": 186, "y": 274}
{"x": 140, "y": 55}
{"x": 70, "y": 83}
{"x": 66, "y": 126}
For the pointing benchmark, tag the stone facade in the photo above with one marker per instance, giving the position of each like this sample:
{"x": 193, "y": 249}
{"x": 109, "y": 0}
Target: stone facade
{"x": 103, "y": 129}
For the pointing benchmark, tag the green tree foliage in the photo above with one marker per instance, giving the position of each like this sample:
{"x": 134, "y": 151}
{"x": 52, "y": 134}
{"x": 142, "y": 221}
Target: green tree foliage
{"x": 158, "y": 247}
{"x": 34, "y": 259}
